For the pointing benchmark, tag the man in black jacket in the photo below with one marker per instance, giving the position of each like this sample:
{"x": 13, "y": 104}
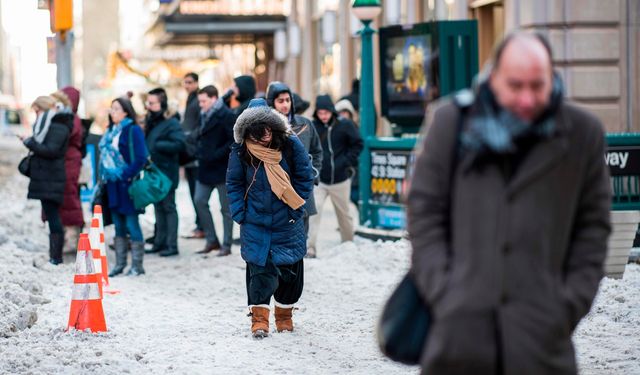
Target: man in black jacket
{"x": 342, "y": 145}
{"x": 214, "y": 137}
{"x": 190, "y": 122}
{"x": 165, "y": 141}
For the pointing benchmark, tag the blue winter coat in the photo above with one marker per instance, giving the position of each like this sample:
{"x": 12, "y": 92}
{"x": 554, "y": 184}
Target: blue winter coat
{"x": 268, "y": 225}
{"x": 118, "y": 191}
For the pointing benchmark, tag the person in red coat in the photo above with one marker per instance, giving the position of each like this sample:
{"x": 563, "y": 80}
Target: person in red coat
{"x": 71, "y": 209}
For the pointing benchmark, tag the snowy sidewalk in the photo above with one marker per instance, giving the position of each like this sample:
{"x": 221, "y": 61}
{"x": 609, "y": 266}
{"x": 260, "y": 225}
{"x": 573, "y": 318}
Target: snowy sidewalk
{"x": 188, "y": 314}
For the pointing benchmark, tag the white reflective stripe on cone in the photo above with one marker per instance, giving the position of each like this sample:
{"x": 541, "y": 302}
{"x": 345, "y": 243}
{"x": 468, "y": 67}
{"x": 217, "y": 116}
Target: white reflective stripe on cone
{"x": 103, "y": 250}
{"x": 84, "y": 292}
{"x": 94, "y": 237}
{"x": 100, "y": 222}
{"x": 97, "y": 264}
{"x": 84, "y": 263}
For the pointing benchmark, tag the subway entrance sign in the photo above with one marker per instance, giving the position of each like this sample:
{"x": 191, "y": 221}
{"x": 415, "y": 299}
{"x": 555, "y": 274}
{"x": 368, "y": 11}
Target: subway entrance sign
{"x": 623, "y": 158}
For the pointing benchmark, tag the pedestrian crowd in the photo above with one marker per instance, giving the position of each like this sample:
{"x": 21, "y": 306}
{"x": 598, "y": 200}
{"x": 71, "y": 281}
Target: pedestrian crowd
{"x": 507, "y": 208}
{"x": 271, "y": 167}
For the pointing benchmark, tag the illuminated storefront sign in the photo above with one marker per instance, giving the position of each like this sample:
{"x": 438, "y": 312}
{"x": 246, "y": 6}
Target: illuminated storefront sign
{"x": 235, "y": 7}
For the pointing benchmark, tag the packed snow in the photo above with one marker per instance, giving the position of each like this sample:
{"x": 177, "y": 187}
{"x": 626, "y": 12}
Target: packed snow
{"x": 189, "y": 315}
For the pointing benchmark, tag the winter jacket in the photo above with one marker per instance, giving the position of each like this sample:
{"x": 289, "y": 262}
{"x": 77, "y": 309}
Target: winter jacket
{"x": 191, "y": 122}
{"x": 48, "y": 174}
{"x": 165, "y": 140}
{"x": 214, "y": 144}
{"x": 305, "y": 131}
{"x": 118, "y": 191}
{"x": 191, "y": 119}
{"x": 510, "y": 267}
{"x": 71, "y": 209}
{"x": 268, "y": 225}
{"x": 246, "y": 91}
{"x": 341, "y": 143}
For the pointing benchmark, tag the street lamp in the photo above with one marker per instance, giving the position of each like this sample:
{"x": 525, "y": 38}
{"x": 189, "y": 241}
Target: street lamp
{"x": 366, "y": 11}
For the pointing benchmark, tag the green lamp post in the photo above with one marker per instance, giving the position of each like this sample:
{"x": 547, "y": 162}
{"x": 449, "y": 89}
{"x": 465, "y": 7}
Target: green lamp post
{"x": 366, "y": 11}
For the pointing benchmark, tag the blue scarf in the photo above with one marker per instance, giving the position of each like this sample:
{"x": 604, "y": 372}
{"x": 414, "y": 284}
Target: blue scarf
{"x": 112, "y": 164}
{"x": 496, "y": 131}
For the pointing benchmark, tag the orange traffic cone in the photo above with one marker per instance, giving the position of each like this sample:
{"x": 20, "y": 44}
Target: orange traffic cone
{"x": 94, "y": 243}
{"x": 97, "y": 214}
{"x": 86, "y": 305}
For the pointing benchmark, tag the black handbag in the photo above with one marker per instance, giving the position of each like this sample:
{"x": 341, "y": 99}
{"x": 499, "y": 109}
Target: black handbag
{"x": 404, "y": 325}
{"x": 24, "y": 167}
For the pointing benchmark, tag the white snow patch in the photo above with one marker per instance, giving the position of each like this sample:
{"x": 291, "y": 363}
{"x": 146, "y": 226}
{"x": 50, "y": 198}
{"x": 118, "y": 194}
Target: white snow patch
{"x": 188, "y": 314}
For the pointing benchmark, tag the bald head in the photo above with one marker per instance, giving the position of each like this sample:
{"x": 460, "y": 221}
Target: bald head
{"x": 522, "y": 75}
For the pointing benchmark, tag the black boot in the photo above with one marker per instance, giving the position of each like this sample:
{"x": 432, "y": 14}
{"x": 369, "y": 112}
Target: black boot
{"x": 120, "y": 244}
{"x": 137, "y": 254}
{"x": 224, "y": 252}
{"x": 56, "y": 243}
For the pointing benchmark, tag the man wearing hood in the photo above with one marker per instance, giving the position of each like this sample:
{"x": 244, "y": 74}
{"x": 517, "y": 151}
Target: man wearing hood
{"x": 508, "y": 217}
{"x": 341, "y": 144}
{"x": 244, "y": 89}
{"x": 280, "y": 97}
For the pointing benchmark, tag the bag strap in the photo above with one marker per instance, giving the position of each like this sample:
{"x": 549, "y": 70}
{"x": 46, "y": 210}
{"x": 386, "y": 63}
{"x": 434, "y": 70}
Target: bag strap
{"x": 463, "y": 101}
{"x": 132, "y": 154}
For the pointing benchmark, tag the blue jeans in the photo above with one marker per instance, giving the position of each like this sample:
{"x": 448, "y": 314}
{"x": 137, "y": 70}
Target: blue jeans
{"x": 127, "y": 224}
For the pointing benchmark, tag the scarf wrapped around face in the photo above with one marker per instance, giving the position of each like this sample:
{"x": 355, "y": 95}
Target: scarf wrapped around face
{"x": 494, "y": 130}
{"x": 278, "y": 178}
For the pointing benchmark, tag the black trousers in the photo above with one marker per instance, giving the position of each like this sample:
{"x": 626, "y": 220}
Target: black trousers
{"x": 166, "y": 233}
{"x": 191, "y": 173}
{"x": 52, "y": 213}
{"x": 284, "y": 283}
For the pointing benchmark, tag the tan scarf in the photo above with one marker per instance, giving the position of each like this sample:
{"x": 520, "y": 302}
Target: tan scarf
{"x": 278, "y": 179}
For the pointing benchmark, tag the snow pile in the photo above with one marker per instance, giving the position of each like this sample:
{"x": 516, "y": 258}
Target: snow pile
{"x": 607, "y": 340}
{"x": 20, "y": 292}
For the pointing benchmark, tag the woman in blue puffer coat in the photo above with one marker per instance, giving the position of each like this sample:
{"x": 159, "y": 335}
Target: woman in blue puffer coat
{"x": 269, "y": 179}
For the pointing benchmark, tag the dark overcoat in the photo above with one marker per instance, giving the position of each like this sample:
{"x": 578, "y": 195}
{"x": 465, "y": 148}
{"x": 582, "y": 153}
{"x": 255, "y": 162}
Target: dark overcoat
{"x": 510, "y": 266}
{"x": 48, "y": 174}
{"x": 214, "y": 139}
{"x": 165, "y": 141}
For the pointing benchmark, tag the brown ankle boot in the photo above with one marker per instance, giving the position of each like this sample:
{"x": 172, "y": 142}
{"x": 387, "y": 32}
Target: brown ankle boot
{"x": 283, "y": 319}
{"x": 260, "y": 321}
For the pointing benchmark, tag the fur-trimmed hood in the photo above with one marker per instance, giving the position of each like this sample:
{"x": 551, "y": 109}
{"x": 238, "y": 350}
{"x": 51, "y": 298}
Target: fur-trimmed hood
{"x": 259, "y": 111}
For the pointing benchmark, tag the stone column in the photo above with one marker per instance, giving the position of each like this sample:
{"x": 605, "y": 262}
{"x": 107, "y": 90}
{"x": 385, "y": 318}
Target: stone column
{"x": 589, "y": 40}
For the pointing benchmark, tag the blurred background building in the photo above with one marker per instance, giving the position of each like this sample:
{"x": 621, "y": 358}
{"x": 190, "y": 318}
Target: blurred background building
{"x": 135, "y": 45}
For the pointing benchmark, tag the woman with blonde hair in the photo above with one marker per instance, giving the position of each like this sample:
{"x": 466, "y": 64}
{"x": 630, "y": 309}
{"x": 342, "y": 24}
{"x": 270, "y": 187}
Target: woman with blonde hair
{"x": 48, "y": 145}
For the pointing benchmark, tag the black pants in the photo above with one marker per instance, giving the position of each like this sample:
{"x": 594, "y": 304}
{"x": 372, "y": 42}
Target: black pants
{"x": 284, "y": 283}
{"x": 166, "y": 236}
{"x": 191, "y": 173}
{"x": 52, "y": 213}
